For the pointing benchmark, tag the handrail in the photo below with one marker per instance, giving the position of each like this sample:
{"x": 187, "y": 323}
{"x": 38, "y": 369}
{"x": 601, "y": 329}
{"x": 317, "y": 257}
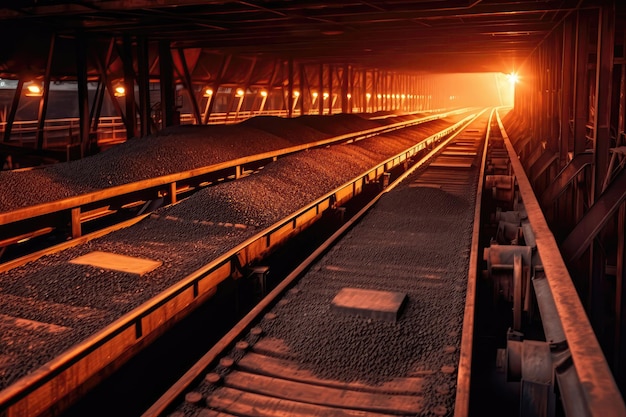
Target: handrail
{"x": 597, "y": 383}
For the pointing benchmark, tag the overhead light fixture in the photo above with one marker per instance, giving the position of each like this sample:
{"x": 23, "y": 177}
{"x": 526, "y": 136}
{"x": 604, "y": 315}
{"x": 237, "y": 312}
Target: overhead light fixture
{"x": 263, "y": 93}
{"x": 326, "y": 95}
{"x": 513, "y": 78}
{"x": 208, "y": 92}
{"x": 34, "y": 90}
{"x": 240, "y": 92}
{"x": 349, "y": 96}
{"x": 315, "y": 94}
{"x": 296, "y": 94}
{"x": 120, "y": 91}
{"x": 368, "y": 95}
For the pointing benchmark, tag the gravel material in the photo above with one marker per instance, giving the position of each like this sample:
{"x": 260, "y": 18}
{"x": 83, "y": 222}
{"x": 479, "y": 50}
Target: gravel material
{"x": 174, "y": 149}
{"x": 184, "y": 237}
{"x": 416, "y": 240}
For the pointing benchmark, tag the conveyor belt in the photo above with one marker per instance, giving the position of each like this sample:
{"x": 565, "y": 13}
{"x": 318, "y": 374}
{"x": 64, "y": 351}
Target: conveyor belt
{"x": 320, "y": 351}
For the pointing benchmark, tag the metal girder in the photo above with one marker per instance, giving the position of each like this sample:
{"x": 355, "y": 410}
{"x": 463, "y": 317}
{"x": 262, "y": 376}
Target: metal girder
{"x": 581, "y": 87}
{"x": 143, "y": 81}
{"x": 542, "y": 164}
{"x": 565, "y": 177}
{"x": 594, "y": 220}
{"x": 129, "y": 87}
{"x": 567, "y": 79}
{"x": 14, "y": 105}
{"x": 603, "y": 84}
{"x": 43, "y": 101}
{"x": 83, "y": 96}
{"x": 168, "y": 100}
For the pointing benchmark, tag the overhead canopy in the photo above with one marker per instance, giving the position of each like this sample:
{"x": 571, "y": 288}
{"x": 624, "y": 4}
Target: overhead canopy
{"x": 417, "y": 35}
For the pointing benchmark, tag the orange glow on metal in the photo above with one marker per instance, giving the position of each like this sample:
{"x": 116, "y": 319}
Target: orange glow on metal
{"x": 120, "y": 91}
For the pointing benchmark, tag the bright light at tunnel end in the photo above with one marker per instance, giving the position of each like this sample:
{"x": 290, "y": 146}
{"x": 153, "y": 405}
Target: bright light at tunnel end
{"x": 513, "y": 78}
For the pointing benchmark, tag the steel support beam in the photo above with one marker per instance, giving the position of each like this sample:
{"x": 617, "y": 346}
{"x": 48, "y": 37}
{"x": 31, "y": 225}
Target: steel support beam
{"x": 594, "y": 220}
{"x": 168, "y": 99}
{"x": 216, "y": 85}
{"x": 581, "y": 82}
{"x": 331, "y": 68}
{"x": 129, "y": 87}
{"x": 601, "y": 145}
{"x": 320, "y": 95}
{"x": 186, "y": 78}
{"x": 43, "y": 101}
{"x": 602, "y": 101}
{"x": 14, "y": 105}
{"x": 344, "y": 89}
{"x": 303, "y": 87}
{"x": 83, "y": 97}
{"x": 567, "y": 79}
{"x": 290, "y": 90}
{"x": 143, "y": 80}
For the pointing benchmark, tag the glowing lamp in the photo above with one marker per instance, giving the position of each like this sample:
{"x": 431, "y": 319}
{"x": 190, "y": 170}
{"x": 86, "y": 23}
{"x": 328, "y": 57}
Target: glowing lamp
{"x": 240, "y": 92}
{"x": 208, "y": 92}
{"x": 513, "y": 78}
{"x": 349, "y": 96}
{"x": 296, "y": 94}
{"x": 368, "y": 95}
{"x": 315, "y": 94}
{"x": 33, "y": 90}
{"x": 120, "y": 91}
{"x": 326, "y": 95}
{"x": 379, "y": 96}
{"x": 263, "y": 93}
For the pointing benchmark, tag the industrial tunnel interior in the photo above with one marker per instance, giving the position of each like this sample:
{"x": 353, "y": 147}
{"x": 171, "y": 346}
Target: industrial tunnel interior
{"x": 79, "y": 80}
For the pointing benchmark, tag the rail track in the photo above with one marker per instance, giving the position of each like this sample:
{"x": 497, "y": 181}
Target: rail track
{"x": 161, "y": 301}
{"x": 265, "y": 367}
{"x": 253, "y": 372}
{"x": 274, "y": 363}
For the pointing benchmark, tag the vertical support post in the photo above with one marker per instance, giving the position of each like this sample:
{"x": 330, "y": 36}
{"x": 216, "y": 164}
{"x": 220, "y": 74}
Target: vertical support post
{"x": 186, "y": 76}
{"x": 143, "y": 79}
{"x": 320, "y": 95}
{"x": 216, "y": 85}
{"x": 581, "y": 82}
{"x": 83, "y": 97}
{"x": 75, "y": 223}
{"x": 173, "y": 192}
{"x": 43, "y": 101}
{"x": 14, "y": 105}
{"x": 602, "y": 116}
{"x": 303, "y": 85}
{"x": 331, "y": 68}
{"x": 129, "y": 87}
{"x": 344, "y": 89}
{"x": 601, "y": 145}
{"x": 619, "y": 349}
{"x": 567, "y": 79}
{"x": 290, "y": 87}
{"x": 168, "y": 100}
